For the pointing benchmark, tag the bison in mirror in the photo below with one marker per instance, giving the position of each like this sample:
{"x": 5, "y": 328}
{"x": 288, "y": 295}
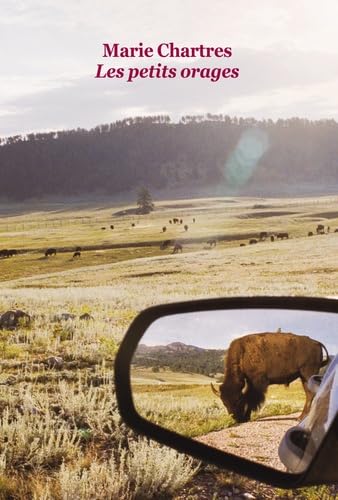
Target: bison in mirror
{"x": 259, "y": 372}
{"x": 256, "y": 361}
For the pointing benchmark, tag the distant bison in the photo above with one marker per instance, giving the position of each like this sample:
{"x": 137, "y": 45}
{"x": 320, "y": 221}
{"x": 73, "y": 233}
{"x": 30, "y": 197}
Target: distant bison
{"x": 263, "y": 235}
{"x": 258, "y": 360}
{"x": 12, "y": 319}
{"x": 4, "y": 253}
{"x": 76, "y": 254}
{"x": 272, "y": 238}
{"x": 310, "y": 233}
{"x": 336, "y": 230}
{"x": 186, "y": 227}
{"x": 12, "y": 252}
{"x": 253, "y": 241}
{"x": 242, "y": 245}
{"x": 78, "y": 249}
{"x": 165, "y": 244}
{"x": 194, "y": 220}
{"x": 50, "y": 251}
{"x": 133, "y": 224}
{"x": 175, "y": 220}
{"x": 164, "y": 229}
{"x": 111, "y": 226}
{"x": 212, "y": 242}
{"x": 282, "y": 236}
{"x": 177, "y": 248}
{"x": 320, "y": 229}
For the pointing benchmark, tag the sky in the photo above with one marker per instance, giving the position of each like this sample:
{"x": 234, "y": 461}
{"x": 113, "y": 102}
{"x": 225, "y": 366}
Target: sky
{"x": 287, "y": 53}
{"x": 217, "y": 329}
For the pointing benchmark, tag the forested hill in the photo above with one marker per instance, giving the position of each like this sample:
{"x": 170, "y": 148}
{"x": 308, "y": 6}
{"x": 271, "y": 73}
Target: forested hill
{"x": 240, "y": 156}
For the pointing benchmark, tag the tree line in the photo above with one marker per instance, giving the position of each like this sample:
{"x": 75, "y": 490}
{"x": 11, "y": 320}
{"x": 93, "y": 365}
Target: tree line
{"x": 154, "y": 151}
{"x": 202, "y": 361}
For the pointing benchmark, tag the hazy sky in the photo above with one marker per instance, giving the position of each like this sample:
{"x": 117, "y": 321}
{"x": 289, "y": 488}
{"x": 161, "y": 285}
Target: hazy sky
{"x": 287, "y": 53}
{"x": 217, "y": 329}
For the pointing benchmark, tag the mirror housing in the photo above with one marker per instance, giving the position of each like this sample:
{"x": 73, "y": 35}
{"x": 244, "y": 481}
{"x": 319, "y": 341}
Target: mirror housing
{"x": 323, "y": 467}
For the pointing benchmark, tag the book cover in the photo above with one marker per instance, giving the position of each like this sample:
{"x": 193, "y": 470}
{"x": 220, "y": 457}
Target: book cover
{"x": 155, "y": 152}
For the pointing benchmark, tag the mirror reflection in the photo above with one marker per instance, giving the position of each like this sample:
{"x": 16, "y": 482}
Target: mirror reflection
{"x": 241, "y": 380}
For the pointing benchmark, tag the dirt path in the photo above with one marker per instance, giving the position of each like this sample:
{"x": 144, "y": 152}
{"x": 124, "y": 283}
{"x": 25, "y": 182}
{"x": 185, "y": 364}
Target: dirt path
{"x": 257, "y": 441}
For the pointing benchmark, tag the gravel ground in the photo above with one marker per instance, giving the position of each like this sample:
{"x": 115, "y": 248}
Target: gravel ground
{"x": 257, "y": 440}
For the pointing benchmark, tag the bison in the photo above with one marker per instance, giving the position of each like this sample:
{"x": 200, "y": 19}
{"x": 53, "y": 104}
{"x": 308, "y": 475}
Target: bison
{"x": 258, "y": 360}
{"x": 186, "y": 227}
{"x": 263, "y": 235}
{"x": 165, "y": 244}
{"x": 76, "y": 254}
{"x": 177, "y": 248}
{"x": 281, "y": 236}
{"x": 50, "y": 251}
{"x": 253, "y": 241}
{"x": 212, "y": 243}
{"x": 320, "y": 229}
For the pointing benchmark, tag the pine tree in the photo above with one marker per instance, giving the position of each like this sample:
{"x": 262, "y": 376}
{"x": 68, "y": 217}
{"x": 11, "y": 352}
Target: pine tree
{"x": 144, "y": 201}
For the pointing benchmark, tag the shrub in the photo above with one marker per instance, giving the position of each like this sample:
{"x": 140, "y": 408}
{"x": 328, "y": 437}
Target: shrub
{"x": 106, "y": 480}
{"x": 10, "y": 351}
{"x": 156, "y": 471}
{"x": 147, "y": 470}
{"x": 28, "y": 441}
{"x": 89, "y": 408}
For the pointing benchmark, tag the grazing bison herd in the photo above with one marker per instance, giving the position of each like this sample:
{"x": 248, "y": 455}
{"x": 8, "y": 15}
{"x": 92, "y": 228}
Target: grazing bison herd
{"x": 176, "y": 245}
{"x": 263, "y": 235}
{"x": 258, "y": 360}
{"x": 8, "y": 253}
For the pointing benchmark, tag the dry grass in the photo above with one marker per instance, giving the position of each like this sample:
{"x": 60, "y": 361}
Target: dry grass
{"x": 67, "y": 227}
{"x": 193, "y": 410}
{"x": 51, "y": 417}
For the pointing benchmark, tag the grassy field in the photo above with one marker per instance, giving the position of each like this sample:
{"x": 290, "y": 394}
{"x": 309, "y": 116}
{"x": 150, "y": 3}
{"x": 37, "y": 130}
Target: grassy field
{"x": 59, "y": 422}
{"x": 190, "y": 406}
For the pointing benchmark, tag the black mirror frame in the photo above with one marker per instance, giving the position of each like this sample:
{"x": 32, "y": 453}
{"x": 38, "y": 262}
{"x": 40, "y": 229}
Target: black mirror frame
{"x": 186, "y": 445}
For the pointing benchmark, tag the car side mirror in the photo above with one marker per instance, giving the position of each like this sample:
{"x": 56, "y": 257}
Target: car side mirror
{"x": 248, "y": 384}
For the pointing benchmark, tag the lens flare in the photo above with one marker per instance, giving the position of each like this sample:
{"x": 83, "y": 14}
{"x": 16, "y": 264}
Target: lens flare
{"x": 241, "y": 164}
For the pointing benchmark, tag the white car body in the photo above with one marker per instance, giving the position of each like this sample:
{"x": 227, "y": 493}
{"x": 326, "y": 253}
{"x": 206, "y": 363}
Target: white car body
{"x": 301, "y": 443}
